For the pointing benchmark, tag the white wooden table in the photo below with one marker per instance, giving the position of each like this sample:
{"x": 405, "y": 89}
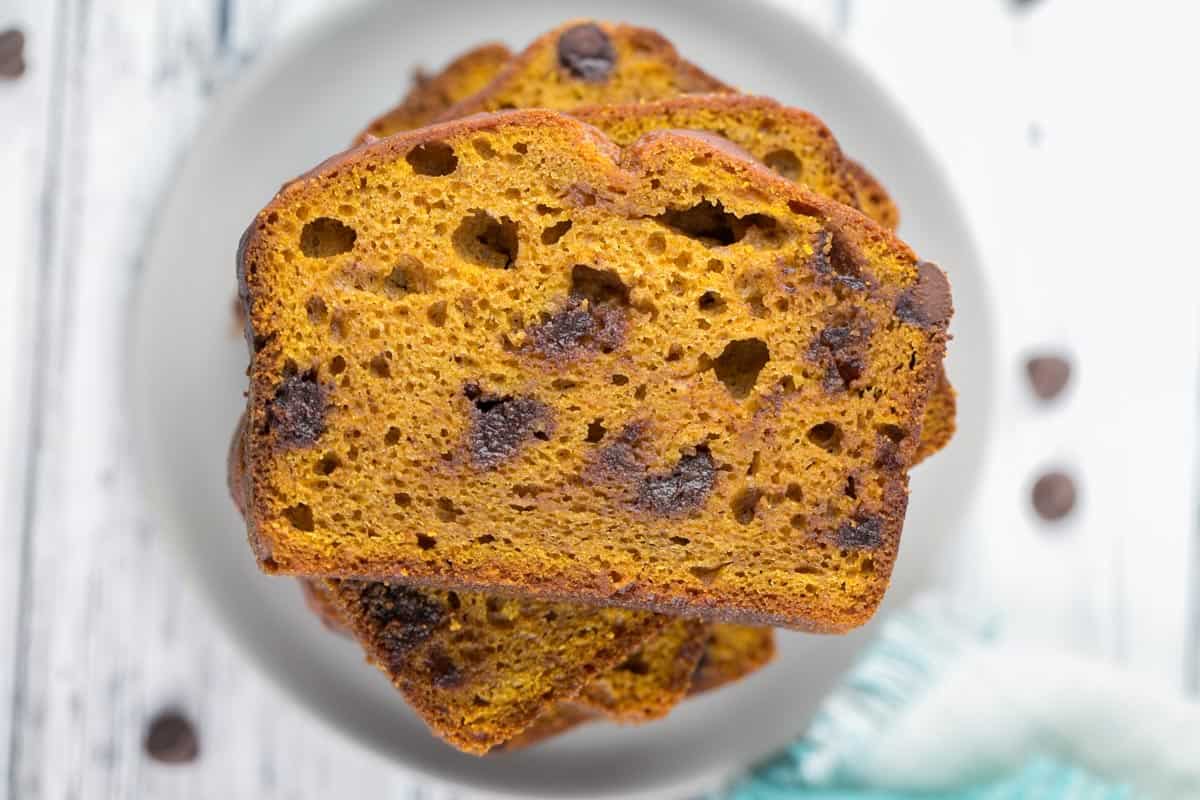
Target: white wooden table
{"x": 1071, "y": 130}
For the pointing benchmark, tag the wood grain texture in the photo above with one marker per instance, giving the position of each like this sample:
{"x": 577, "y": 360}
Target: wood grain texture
{"x": 104, "y": 631}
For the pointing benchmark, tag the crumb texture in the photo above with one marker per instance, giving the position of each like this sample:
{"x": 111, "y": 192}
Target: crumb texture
{"x": 640, "y": 408}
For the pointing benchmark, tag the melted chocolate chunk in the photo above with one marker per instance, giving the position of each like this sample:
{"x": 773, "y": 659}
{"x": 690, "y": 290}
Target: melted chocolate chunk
{"x": 1048, "y": 375}
{"x": 442, "y": 669}
{"x": 838, "y": 260}
{"x": 403, "y": 617}
{"x": 501, "y": 425}
{"x": 171, "y": 739}
{"x": 681, "y": 491}
{"x": 926, "y": 304}
{"x": 860, "y": 534}
{"x": 1054, "y": 496}
{"x": 579, "y": 326}
{"x": 586, "y": 52}
{"x": 12, "y": 54}
{"x": 297, "y": 412}
{"x": 841, "y": 348}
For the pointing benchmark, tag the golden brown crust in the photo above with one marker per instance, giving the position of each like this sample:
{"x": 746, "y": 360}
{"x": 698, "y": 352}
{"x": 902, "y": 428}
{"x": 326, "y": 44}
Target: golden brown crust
{"x": 554, "y": 721}
{"x": 617, "y": 181}
{"x": 320, "y": 603}
{"x": 939, "y": 424}
{"x": 871, "y": 197}
{"x": 430, "y": 96}
{"x": 481, "y": 669}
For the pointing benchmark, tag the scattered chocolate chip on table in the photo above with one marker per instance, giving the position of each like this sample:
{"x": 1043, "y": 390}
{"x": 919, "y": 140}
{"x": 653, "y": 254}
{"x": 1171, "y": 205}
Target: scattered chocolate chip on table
{"x": 12, "y": 54}
{"x": 171, "y": 739}
{"x": 1048, "y": 375}
{"x": 1053, "y": 495}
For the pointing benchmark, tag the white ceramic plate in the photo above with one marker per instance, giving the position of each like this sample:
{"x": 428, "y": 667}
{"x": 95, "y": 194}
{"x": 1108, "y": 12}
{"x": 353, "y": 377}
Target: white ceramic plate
{"x": 304, "y": 102}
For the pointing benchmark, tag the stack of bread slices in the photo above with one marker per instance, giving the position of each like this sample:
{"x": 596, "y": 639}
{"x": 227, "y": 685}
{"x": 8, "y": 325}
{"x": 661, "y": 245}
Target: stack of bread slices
{"x": 574, "y": 376}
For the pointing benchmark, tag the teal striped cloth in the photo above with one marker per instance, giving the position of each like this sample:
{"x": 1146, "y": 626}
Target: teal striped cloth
{"x": 915, "y": 648}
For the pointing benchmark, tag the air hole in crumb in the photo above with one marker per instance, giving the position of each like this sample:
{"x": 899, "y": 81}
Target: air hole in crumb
{"x": 851, "y": 490}
{"x": 484, "y": 148}
{"x": 486, "y": 538}
{"x": 437, "y": 313}
{"x": 708, "y": 574}
{"x": 447, "y": 511}
{"x": 392, "y": 436}
{"x": 301, "y": 517}
{"x": 674, "y": 353}
{"x": 827, "y": 436}
{"x": 402, "y": 499}
{"x": 316, "y": 309}
{"x": 755, "y": 461}
{"x": 432, "y": 158}
{"x": 325, "y": 237}
{"x": 799, "y": 522}
{"x": 595, "y": 431}
{"x": 794, "y": 493}
{"x": 635, "y": 665}
{"x": 453, "y": 600}
{"x": 739, "y": 364}
{"x": 711, "y": 302}
{"x": 380, "y": 366}
{"x": 620, "y": 380}
{"x": 893, "y": 432}
{"x": 680, "y": 540}
{"x": 598, "y": 286}
{"x": 521, "y": 148}
{"x": 328, "y": 463}
{"x": 482, "y": 239}
{"x": 556, "y": 231}
{"x": 784, "y": 162}
{"x": 337, "y": 365}
{"x": 656, "y": 243}
{"x": 408, "y": 275}
{"x": 640, "y": 392}
{"x": 711, "y": 224}
{"x": 426, "y": 542}
{"x": 744, "y": 504}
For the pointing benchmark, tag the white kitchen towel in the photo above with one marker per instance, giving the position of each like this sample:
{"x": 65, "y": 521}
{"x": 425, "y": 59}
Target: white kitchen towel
{"x": 947, "y": 706}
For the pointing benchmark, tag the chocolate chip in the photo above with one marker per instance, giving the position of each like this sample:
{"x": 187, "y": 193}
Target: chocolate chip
{"x": 171, "y": 738}
{"x": 12, "y": 54}
{"x": 403, "y": 618}
{"x": 577, "y": 328}
{"x": 860, "y": 534}
{"x": 587, "y": 52}
{"x": 683, "y": 490}
{"x": 443, "y": 671}
{"x": 841, "y": 348}
{"x": 1048, "y": 375}
{"x": 1053, "y": 495}
{"x": 297, "y": 412}
{"x": 926, "y": 304}
{"x": 501, "y": 425}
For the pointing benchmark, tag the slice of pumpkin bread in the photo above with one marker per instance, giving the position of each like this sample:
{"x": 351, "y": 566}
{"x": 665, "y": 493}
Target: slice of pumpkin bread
{"x": 585, "y": 62}
{"x": 480, "y": 669}
{"x": 472, "y": 344}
